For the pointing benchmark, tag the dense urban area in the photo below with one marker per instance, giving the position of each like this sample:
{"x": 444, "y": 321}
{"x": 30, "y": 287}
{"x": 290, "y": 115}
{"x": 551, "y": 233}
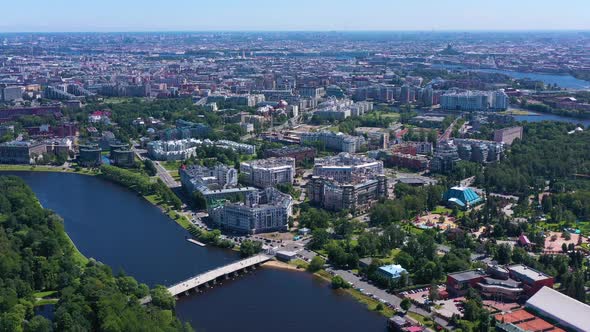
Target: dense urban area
{"x": 441, "y": 179}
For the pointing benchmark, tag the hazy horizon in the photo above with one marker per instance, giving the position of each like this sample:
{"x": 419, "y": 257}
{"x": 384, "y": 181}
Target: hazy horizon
{"x": 303, "y": 15}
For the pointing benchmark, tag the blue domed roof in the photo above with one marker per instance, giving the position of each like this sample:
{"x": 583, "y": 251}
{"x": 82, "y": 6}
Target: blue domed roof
{"x": 463, "y": 197}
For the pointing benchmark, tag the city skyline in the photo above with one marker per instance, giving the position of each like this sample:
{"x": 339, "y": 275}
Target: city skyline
{"x": 305, "y": 15}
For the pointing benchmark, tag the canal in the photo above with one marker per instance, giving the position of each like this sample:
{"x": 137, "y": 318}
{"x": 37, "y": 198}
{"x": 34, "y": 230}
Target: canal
{"x": 119, "y": 228}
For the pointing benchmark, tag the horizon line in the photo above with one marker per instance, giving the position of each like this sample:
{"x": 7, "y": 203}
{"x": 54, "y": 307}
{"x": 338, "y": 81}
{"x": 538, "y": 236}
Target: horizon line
{"x": 302, "y": 30}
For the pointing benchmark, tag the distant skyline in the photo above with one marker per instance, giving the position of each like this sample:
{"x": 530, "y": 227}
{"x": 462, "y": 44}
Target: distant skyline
{"x": 299, "y": 15}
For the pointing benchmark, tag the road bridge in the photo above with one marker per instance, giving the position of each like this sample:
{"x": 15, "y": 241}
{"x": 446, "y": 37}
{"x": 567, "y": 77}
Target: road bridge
{"x": 211, "y": 277}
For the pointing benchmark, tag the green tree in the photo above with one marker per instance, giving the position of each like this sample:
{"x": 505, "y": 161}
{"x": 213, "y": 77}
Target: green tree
{"x": 250, "y": 248}
{"x": 316, "y": 264}
{"x": 406, "y": 304}
{"x": 338, "y": 282}
{"x": 162, "y": 298}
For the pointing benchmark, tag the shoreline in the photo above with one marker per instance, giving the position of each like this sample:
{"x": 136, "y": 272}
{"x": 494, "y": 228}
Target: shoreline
{"x": 45, "y": 168}
{"x": 282, "y": 265}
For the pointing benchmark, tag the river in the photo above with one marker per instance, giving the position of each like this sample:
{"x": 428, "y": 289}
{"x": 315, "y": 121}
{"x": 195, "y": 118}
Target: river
{"x": 117, "y": 227}
{"x": 565, "y": 80}
{"x": 538, "y": 117}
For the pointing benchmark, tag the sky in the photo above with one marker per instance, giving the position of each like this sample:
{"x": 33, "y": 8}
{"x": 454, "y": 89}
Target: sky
{"x": 285, "y": 15}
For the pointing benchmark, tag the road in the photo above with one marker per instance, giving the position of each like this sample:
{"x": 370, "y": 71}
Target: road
{"x": 371, "y": 290}
{"x": 165, "y": 176}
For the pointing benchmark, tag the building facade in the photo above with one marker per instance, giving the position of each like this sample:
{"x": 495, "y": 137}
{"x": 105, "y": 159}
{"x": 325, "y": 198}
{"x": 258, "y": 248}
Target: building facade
{"x": 262, "y": 211}
{"x": 268, "y": 172}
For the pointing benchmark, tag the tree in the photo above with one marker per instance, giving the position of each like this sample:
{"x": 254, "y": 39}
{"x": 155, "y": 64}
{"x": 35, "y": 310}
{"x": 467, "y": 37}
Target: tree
{"x": 199, "y": 201}
{"x": 39, "y": 324}
{"x": 433, "y": 292}
{"x": 162, "y": 298}
{"x": 503, "y": 254}
{"x": 316, "y": 264}
{"x": 379, "y": 307}
{"x": 319, "y": 239}
{"x": 406, "y": 304}
{"x": 250, "y": 248}
{"x": 150, "y": 168}
{"x": 338, "y": 282}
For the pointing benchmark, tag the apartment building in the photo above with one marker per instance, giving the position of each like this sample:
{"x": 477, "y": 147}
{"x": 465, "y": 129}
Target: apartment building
{"x": 268, "y": 172}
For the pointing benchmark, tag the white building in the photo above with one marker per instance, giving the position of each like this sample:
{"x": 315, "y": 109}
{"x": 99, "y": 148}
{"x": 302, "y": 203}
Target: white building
{"x": 346, "y": 167}
{"x": 474, "y": 100}
{"x": 334, "y": 141}
{"x": 269, "y": 172}
{"x": 11, "y": 93}
{"x": 265, "y": 210}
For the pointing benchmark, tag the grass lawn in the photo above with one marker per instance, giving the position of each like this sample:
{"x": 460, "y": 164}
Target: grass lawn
{"x": 175, "y": 175}
{"x": 45, "y": 302}
{"x": 78, "y": 256}
{"x": 171, "y": 165}
{"x": 424, "y": 320}
{"x": 360, "y": 297}
{"x": 178, "y": 218}
{"x": 41, "y": 295}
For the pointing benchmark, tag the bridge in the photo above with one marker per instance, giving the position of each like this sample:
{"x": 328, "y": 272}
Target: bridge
{"x": 212, "y": 276}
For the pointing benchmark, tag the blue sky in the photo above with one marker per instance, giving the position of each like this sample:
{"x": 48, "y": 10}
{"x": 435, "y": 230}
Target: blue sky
{"x": 162, "y": 15}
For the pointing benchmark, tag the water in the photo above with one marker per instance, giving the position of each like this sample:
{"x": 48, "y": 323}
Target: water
{"x": 119, "y": 228}
{"x": 538, "y": 117}
{"x": 564, "y": 81}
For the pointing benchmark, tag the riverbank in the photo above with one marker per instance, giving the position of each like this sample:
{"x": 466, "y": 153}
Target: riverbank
{"x": 45, "y": 168}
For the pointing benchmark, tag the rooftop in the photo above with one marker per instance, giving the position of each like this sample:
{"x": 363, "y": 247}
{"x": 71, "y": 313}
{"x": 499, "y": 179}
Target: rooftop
{"x": 467, "y": 275}
{"x": 562, "y": 308}
{"x": 528, "y": 272}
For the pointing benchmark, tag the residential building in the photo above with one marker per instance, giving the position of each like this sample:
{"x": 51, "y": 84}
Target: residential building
{"x": 301, "y": 154}
{"x": 89, "y": 155}
{"x": 173, "y": 150}
{"x": 121, "y": 155}
{"x": 445, "y": 157}
{"x": 21, "y": 152}
{"x": 507, "y": 135}
{"x": 268, "y": 172}
{"x": 346, "y": 167}
{"x": 214, "y": 183}
{"x": 333, "y": 141}
{"x": 474, "y": 100}
{"x": 356, "y": 197}
{"x": 266, "y": 210}
{"x": 11, "y": 93}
